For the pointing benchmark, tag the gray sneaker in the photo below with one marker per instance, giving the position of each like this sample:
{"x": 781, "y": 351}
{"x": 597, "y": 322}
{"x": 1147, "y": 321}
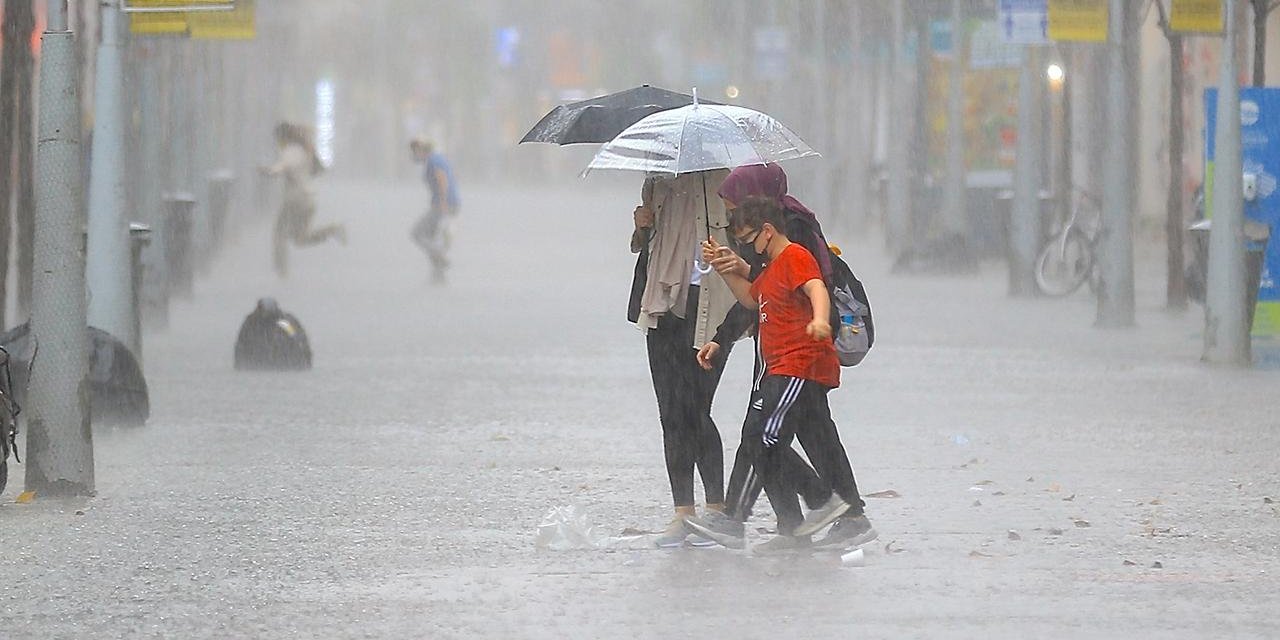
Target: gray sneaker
{"x": 822, "y": 516}
{"x": 717, "y": 526}
{"x": 673, "y": 536}
{"x": 781, "y": 544}
{"x": 849, "y": 531}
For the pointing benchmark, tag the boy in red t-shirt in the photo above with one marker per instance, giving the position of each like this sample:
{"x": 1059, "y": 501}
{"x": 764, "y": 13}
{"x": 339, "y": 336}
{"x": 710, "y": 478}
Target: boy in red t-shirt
{"x": 789, "y": 400}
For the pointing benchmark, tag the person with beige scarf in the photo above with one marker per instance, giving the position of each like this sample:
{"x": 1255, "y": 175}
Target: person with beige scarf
{"x": 679, "y": 309}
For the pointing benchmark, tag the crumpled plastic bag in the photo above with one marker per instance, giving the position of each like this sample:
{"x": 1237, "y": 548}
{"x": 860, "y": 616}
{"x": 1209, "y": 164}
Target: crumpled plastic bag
{"x": 565, "y": 528}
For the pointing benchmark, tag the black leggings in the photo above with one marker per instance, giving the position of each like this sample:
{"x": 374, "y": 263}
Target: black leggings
{"x": 684, "y": 391}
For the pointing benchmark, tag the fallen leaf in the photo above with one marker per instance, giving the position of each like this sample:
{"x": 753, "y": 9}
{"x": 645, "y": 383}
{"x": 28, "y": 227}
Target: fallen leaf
{"x": 632, "y": 531}
{"x": 1155, "y": 501}
{"x": 977, "y": 503}
{"x": 500, "y": 438}
{"x": 1054, "y": 488}
{"x": 79, "y": 513}
{"x": 887, "y": 493}
{"x": 26, "y": 497}
{"x": 1083, "y": 524}
{"x": 888, "y": 548}
{"x": 1054, "y": 531}
{"x": 974, "y": 461}
{"x": 1069, "y": 498}
{"x": 978, "y": 554}
{"x": 1032, "y": 479}
{"x": 1157, "y": 565}
{"x": 1130, "y": 563}
{"x": 984, "y": 482}
{"x": 1013, "y": 535}
{"x": 998, "y": 493}
{"x": 1267, "y": 501}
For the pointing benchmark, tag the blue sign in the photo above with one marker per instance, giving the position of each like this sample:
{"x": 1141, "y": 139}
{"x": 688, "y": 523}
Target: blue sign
{"x": 1260, "y": 144}
{"x": 1024, "y": 21}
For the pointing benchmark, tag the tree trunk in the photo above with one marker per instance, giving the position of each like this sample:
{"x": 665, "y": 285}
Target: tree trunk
{"x": 1176, "y": 287}
{"x": 24, "y": 130}
{"x": 1260, "y": 42}
{"x": 8, "y": 105}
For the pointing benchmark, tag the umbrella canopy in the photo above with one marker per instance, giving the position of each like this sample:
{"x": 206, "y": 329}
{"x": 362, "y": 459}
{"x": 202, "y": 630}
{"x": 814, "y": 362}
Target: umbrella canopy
{"x": 700, "y": 137}
{"x": 602, "y": 118}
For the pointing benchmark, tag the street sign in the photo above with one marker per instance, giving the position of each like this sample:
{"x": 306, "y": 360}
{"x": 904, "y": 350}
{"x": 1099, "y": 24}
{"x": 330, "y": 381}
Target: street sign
{"x": 201, "y": 19}
{"x": 237, "y": 24}
{"x": 1197, "y": 16}
{"x": 1024, "y": 21}
{"x": 1078, "y": 20}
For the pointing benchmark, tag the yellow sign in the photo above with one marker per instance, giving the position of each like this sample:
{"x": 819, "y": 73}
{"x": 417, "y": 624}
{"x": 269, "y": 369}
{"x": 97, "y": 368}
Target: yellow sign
{"x": 235, "y": 24}
{"x": 1078, "y": 20}
{"x": 1197, "y": 16}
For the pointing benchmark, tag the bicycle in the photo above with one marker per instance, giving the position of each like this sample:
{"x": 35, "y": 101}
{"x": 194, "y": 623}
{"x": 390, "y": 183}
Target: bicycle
{"x": 1067, "y": 259}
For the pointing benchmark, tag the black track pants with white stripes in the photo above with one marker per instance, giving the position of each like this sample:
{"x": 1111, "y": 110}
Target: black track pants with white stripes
{"x": 786, "y": 408}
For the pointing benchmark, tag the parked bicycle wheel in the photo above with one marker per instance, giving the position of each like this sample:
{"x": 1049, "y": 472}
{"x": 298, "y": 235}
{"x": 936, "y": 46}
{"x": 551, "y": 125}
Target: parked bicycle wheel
{"x": 1064, "y": 264}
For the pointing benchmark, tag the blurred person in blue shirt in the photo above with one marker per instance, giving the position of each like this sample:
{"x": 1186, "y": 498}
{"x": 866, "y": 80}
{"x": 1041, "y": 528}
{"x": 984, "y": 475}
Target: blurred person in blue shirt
{"x": 432, "y": 231}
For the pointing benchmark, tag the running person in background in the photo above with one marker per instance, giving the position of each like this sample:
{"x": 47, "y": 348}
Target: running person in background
{"x": 298, "y": 163}
{"x": 432, "y": 231}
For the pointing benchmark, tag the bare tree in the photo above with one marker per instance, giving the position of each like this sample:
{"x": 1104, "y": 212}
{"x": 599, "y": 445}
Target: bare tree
{"x": 1176, "y": 286}
{"x": 14, "y": 39}
{"x": 1261, "y": 9}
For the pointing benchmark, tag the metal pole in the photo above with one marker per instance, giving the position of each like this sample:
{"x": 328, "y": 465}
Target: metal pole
{"x": 1226, "y": 338}
{"x": 107, "y": 269}
{"x": 859, "y": 92}
{"x": 59, "y": 440}
{"x": 822, "y": 128}
{"x": 1115, "y": 255}
{"x": 953, "y": 201}
{"x": 1028, "y": 173}
{"x": 897, "y": 214}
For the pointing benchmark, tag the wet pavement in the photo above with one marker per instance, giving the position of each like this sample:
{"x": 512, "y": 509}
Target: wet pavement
{"x": 1054, "y": 479}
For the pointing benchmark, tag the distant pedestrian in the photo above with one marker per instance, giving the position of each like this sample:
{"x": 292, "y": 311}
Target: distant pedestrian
{"x": 433, "y": 232}
{"x": 298, "y": 162}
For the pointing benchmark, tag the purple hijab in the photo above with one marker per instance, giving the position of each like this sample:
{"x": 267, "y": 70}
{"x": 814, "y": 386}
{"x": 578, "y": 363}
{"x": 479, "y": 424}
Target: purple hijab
{"x": 769, "y": 180}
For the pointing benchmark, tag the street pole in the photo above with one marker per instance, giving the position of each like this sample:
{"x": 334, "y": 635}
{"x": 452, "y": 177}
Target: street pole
{"x": 1226, "y": 338}
{"x": 107, "y": 269}
{"x": 953, "y": 200}
{"x": 859, "y": 91}
{"x": 1115, "y": 255}
{"x": 1028, "y": 173}
{"x": 898, "y": 209}
{"x": 59, "y": 440}
{"x": 822, "y": 129}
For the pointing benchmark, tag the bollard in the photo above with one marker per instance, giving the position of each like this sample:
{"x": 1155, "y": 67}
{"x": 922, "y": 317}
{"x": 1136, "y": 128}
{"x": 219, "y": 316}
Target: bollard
{"x": 179, "y": 212}
{"x": 139, "y": 237}
{"x": 220, "y": 184}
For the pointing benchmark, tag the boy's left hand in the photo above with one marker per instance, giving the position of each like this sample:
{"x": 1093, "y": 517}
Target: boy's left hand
{"x": 818, "y": 330}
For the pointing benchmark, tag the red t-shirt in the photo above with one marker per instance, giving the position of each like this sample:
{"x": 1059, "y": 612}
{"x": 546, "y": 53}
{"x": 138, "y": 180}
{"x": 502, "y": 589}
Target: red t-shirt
{"x": 785, "y": 312}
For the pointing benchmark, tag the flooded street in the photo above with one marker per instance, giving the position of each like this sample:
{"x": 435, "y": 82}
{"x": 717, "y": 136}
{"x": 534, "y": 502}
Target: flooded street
{"x": 1043, "y": 469}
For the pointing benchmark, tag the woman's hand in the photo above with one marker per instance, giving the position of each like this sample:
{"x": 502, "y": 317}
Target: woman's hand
{"x": 643, "y": 217}
{"x": 707, "y": 354}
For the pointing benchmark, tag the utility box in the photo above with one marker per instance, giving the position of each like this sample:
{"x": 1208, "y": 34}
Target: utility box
{"x": 1260, "y": 142}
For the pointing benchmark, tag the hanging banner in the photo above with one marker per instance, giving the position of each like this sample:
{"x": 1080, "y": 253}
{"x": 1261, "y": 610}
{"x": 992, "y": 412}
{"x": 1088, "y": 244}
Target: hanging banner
{"x": 1078, "y": 20}
{"x": 1196, "y": 16}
